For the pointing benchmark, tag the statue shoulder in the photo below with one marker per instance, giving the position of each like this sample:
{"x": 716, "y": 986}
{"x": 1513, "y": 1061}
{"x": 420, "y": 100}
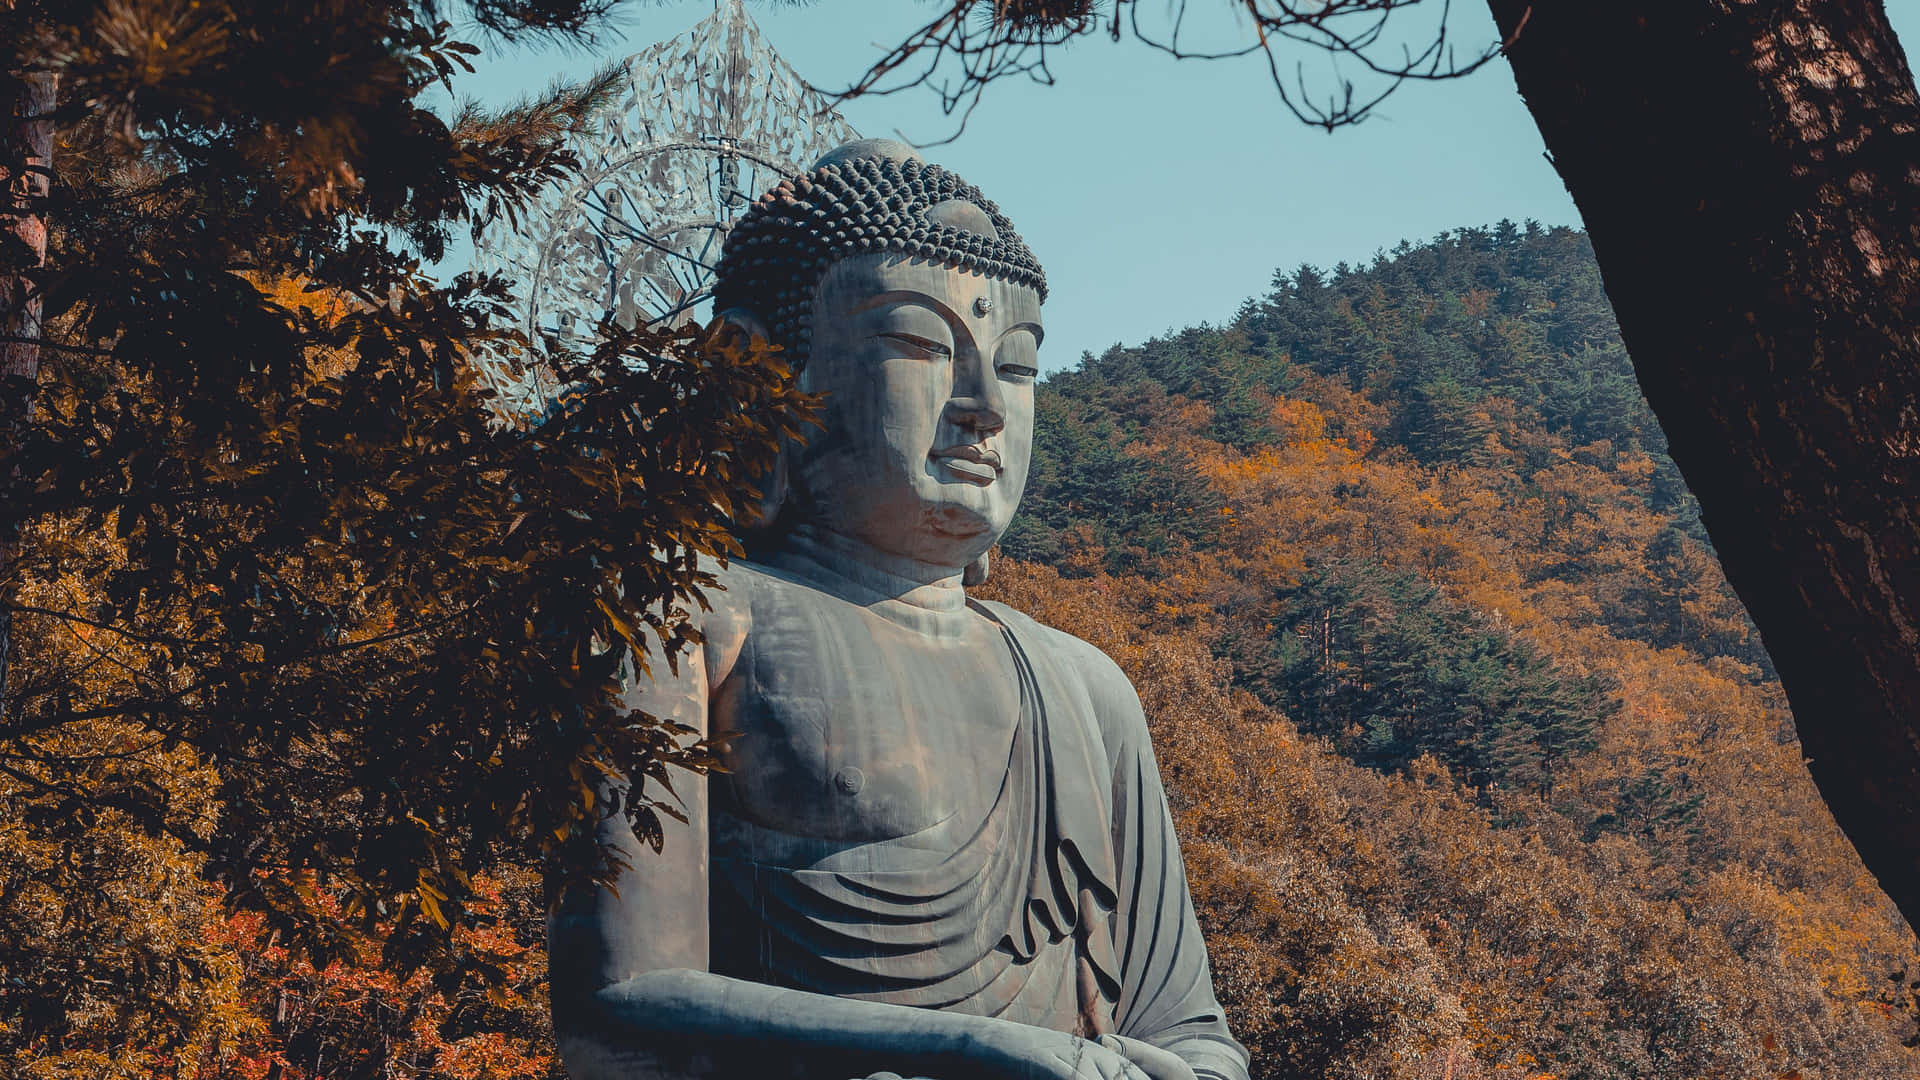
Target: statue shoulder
{"x": 727, "y": 618}
{"x": 744, "y": 593}
{"x": 1115, "y": 703}
{"x": 734, "y": 582}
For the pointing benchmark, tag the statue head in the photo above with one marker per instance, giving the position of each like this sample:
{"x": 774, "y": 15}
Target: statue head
{"x": 906, "y": 298}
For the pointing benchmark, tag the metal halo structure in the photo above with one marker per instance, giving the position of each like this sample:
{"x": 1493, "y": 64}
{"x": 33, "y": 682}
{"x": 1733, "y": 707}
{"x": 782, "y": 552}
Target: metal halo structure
{"x": 701, "y": 125}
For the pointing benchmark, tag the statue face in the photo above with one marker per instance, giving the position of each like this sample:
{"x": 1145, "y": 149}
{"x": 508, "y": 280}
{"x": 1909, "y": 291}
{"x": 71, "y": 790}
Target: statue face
{"x": 929, "y": 375}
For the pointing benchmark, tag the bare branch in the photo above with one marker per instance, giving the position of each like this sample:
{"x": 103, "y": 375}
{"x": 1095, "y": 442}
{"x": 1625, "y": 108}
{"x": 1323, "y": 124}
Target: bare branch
{"x": 970, "y": 44}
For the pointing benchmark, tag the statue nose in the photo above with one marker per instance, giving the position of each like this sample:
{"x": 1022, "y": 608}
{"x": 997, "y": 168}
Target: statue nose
{"x": 978, "y": 402}
{"x": 976, "y": 414}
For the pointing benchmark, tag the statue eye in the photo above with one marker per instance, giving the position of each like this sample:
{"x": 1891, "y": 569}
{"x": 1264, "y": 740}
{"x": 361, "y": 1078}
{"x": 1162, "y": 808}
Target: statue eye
{"x": 1016, "y": 358}
{"x": 925, "y": 345}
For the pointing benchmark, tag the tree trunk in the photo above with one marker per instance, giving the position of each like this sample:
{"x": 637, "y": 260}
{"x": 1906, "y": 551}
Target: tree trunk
{"x": 26, "y": 157}
{"x": 1750, "y": 176}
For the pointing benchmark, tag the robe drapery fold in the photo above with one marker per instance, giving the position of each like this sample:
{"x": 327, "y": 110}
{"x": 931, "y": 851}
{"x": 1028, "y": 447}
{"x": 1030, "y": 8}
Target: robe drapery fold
{"x": 1065, "y": 906}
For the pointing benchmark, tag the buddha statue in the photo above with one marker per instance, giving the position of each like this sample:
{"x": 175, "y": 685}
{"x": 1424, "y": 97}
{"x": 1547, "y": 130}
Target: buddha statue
{"x": 940, "y": 846}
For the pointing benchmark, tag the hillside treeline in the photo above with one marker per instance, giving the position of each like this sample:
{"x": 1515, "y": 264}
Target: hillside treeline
{"x": 1481, "y": 766}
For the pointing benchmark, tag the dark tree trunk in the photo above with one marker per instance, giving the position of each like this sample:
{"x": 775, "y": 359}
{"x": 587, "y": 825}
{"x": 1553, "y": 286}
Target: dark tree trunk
{"x": 26, "y": 155}
{"x": 1750, "y": 175}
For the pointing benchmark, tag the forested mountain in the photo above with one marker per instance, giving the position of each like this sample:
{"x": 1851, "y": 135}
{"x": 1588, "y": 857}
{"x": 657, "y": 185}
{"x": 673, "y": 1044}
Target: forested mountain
{"x": 1481, "y": 766}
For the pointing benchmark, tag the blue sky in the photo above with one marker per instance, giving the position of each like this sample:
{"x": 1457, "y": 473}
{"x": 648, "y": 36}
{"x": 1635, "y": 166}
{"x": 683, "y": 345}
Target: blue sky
{"x": 1158, "y": 193}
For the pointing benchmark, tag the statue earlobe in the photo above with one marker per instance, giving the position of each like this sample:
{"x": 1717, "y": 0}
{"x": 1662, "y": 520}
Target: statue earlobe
{"x": 976, "y": 572}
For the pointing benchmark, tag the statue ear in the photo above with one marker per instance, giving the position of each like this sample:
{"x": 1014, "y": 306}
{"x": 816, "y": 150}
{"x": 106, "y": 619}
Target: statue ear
{"x": 740, "y": 321}
{"x": 762, "y": 512}
{"x": 759, "y": 513}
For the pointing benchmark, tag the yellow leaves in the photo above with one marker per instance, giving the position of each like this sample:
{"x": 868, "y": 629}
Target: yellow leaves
{"x": 1634, "y": 469}
{"x": 621, "y": 622}
{"x": 110, "y": 916}
{"x": 1298, "y": 422}
{"x": 430, "y": 898}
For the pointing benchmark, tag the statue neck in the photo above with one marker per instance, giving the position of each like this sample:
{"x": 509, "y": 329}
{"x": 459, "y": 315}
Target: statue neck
{"x": 921, "y": 597}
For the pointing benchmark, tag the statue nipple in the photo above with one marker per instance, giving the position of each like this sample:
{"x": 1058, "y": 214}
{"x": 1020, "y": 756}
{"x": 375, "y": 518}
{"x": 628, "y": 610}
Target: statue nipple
{"x": 850, "y": 780}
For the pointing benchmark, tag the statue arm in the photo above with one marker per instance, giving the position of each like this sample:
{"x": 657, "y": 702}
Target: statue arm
{"x": 654, "y": 916}
{"x": 1167, "y": 999}
{"x": 683, "y": 1024}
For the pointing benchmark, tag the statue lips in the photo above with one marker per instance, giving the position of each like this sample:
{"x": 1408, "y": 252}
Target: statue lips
{"x": 970, "y": 462}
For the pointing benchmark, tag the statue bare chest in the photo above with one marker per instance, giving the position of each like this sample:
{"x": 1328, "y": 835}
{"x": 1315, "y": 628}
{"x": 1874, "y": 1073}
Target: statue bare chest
{"x": 842, "y": 725}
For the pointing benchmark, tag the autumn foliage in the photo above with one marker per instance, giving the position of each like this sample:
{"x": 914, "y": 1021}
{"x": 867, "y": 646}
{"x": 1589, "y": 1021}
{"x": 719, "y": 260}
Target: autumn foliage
{"x": 1481, "y": 770}
{"x": 313, "y": 650}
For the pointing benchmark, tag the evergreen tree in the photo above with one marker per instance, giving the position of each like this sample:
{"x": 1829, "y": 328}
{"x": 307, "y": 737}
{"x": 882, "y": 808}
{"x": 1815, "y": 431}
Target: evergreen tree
{"x": 1086, "y": 487}
{"x": 1390, "y": 670}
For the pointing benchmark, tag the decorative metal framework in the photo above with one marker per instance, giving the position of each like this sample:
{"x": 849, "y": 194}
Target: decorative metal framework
{"x": 703, "y": 124}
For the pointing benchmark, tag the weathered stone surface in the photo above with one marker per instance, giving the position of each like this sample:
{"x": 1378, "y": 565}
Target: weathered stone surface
{"x": 940, "y": 846}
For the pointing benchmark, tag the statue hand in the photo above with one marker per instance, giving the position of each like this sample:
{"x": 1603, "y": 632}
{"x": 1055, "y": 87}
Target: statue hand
{"x": 1158, "y": 1064}
{"x": 1031, "y": 1053}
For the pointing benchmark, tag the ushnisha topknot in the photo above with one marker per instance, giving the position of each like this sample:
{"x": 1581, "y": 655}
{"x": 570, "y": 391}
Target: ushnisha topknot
{"x": 870, "y": 196}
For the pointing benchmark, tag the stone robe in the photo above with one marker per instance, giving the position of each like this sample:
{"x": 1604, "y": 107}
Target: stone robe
{"x": 1064, "y": 906}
